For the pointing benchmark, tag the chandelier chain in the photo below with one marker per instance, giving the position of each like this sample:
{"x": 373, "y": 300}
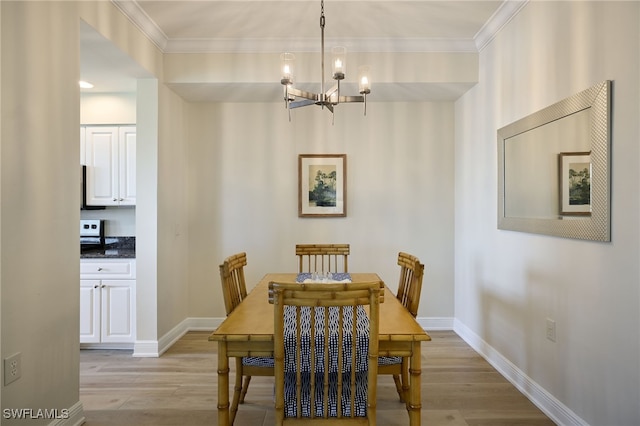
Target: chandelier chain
{"x": 322, "y": 50}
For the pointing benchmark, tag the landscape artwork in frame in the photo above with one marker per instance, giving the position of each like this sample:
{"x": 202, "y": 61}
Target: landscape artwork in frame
{"x": 322, "y": 190}
{"x": 575, "y": 183}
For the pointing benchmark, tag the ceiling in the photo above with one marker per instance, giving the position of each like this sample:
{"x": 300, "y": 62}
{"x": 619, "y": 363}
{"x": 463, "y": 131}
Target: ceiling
{"x": 266, "y": 26}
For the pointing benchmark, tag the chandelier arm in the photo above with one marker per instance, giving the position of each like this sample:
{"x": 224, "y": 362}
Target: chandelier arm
{"x": 329, "y": 107}
{"x": 347, "y": 99}
{"x": 303, "y": 94}
{"x": 302, "y": 103}
{"x": 335, "y": 88}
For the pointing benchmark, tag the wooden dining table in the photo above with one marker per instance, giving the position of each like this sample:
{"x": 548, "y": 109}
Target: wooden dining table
{"x": 248, "y": 331}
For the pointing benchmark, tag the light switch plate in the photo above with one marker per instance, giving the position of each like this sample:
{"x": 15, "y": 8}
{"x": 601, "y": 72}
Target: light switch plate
{"x": 551, "y": 329}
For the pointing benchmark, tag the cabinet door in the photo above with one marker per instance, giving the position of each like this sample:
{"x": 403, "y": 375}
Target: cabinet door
{"x": 82, "y": 146}
{"x": 127, "y": 163}
{"x": 118, "y": 310}
{"x": 102, "y": 156}
{"x": 89, "y": 311}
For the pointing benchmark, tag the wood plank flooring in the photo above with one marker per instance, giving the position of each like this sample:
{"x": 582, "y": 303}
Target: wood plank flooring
{"x": 459, "y": 388}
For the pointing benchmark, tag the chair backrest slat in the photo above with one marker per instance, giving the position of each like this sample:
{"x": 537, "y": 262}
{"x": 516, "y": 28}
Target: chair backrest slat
{"x": 410, "y": 284}
{"x": 323, "y": 257}
{"x": 234, "y": 288}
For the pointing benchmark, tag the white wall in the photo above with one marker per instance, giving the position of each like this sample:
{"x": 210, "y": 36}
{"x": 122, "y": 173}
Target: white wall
{"x": 147, "y": 210}
{"x": 107, "y": 108}
{"x": 39, "y": 227}
{"x": 39, "y": 232}
{"x": 243, "y": 179}
{"x": 171, "y": 204}
{"x": 508, "y": 283}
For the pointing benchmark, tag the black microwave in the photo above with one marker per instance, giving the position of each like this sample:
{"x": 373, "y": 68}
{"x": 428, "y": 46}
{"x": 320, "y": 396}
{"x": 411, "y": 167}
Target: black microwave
{"x": 83, "y": 191}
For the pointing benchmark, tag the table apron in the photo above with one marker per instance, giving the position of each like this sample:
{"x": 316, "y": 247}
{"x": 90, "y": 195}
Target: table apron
{"x": 396, "y": 348}
{"x": 250, "y": 348}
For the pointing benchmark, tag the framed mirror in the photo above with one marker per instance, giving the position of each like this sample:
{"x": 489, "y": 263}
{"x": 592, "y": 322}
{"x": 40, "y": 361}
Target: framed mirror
{"x": 553, "y": 168}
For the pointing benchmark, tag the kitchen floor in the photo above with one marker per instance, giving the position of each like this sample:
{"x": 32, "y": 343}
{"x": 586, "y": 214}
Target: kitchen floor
{"x": 459, "y": 388}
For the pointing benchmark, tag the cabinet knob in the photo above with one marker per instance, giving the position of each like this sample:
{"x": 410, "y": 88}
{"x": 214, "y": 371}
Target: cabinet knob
{"x": 99, "y": 269}
{"x": 115, "y": 199}
{"x": 103, "y": 286}
{"x": 96, "y": 286}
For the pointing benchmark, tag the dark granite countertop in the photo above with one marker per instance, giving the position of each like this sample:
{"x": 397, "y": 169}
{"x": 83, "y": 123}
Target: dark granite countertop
{"x": 114, "y": 248}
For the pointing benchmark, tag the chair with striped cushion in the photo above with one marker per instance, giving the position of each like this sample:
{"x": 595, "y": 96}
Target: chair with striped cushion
{"x": 326, "y": 352}
{"x": 409, "y": 289}
{"x": 322, "y": 257}
{"x": 234, "y": 291}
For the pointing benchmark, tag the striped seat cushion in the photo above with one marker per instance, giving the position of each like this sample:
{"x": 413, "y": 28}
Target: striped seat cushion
{"x": 257, "y": 361}
{"x": 389, "y": 360}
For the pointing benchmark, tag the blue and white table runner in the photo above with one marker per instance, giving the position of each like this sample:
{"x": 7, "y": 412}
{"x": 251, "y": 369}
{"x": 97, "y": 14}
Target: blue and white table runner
{"x": 336, "y": 277}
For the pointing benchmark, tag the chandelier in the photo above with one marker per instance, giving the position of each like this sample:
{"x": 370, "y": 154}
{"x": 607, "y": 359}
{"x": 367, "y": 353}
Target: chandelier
{"x": 296, "y": 98}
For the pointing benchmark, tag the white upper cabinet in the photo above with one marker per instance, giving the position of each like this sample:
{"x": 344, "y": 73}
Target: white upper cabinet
{"x": 82, "y": 145}
{"x": 127, "y": 165}
{"x": 110, "y": 156}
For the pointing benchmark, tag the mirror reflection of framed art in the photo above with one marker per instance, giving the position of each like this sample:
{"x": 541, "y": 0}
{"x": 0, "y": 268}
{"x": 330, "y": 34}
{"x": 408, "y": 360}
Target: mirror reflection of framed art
{"x": 575, "y": 183}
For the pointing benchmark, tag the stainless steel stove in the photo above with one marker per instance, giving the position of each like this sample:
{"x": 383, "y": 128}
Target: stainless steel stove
{"x": 91, "y": 234}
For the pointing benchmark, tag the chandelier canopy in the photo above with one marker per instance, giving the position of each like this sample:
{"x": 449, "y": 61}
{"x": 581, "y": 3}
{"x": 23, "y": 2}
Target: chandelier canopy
{"x": 296, "y": 98}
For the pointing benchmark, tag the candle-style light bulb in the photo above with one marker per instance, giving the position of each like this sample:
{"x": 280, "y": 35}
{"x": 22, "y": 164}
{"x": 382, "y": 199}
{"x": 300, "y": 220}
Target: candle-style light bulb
{"x": 339, "y": 62}
{"x": 364, "y": 85}
{"x": 338, "y": 65}
{"x": 287, "y": 60}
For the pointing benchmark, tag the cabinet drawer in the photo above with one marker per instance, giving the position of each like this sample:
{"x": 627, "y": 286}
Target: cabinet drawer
{"x": 109, "y": 269}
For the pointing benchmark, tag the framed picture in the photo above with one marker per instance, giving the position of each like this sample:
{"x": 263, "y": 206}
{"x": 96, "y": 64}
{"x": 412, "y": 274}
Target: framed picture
{"x": 322, "y": 188}
{"x": 575, "y": 183}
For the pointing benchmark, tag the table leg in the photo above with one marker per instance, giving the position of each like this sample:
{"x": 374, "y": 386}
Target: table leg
{"x": 223, "y": 384}
{"x": 414, "y": 402}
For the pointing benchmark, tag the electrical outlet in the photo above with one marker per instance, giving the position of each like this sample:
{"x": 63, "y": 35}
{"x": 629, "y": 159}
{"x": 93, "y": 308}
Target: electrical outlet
{"x": 551, "y": 329}
{"x": 12, "y": 368}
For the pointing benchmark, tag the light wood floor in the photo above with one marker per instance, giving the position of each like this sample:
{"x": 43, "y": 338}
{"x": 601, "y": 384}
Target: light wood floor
{"x": 459, "y": 388}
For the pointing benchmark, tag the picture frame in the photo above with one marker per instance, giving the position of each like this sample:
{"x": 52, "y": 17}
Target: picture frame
{"x": 322, "y": 185}
{"x": 575, "y": 183}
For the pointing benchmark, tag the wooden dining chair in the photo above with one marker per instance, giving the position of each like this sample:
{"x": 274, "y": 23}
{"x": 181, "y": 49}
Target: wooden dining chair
{"x": 322, "y": 372}
{"x": 409, "y": 290}
{"x": 234, "y": 290}
{"x": 322, "y": 257}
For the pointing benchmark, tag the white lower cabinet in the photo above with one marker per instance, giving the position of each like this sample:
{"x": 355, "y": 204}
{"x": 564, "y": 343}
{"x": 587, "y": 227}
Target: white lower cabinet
{"x": 107, "y": 301}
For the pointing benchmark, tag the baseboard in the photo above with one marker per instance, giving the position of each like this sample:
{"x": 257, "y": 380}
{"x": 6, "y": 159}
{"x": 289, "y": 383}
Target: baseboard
{"x": 73, "y": 417}
{"x": 153, "y": 349}
{"x": 146, "y": 349}
{"x": 546, "y": 402}
{"x": 126, "y": 346}
{"x": 435, "y": 323}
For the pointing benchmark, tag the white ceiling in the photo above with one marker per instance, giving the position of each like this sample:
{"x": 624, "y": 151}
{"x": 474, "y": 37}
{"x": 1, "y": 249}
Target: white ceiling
{"x": 265, "y": 26}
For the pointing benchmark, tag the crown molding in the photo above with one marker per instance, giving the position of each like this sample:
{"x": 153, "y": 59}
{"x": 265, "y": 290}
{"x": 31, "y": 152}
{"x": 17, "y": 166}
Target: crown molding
{"x": 277, "y": 45}
{"x": 505, "y": 13}
{"x": 142, "y": 21}
{"x": 137, "y": 16}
